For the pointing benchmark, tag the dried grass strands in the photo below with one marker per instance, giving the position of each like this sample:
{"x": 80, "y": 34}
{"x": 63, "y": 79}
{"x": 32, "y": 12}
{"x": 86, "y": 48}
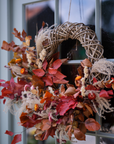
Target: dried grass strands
{"x": 103, "y": 104}
{"x": 61, "y": 133}
{"x": 102, "y": 69}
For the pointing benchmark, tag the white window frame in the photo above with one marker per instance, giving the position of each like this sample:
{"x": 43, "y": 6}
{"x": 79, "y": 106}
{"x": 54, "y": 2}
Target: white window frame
{"x": 7, "y": 121}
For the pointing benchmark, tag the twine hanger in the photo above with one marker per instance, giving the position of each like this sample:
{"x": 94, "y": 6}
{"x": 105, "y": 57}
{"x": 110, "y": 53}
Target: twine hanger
{"x": 81, "y": 10}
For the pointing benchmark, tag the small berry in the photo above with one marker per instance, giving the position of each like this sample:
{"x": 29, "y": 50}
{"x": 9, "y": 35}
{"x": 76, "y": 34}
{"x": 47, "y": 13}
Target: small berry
{"x": 36, "y": 107}
{"x": 91, "y": 96}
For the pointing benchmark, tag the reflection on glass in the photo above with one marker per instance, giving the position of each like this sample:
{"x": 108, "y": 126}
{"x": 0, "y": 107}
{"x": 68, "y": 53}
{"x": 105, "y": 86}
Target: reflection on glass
{"x": 37, "y": 13}
{"x": 80, "y": 11}
{"x": 104, "y": 140}
{"x": 89, "y": 140}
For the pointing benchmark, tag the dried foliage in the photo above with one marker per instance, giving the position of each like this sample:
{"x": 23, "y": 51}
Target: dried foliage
{"x": 47, "y": 101}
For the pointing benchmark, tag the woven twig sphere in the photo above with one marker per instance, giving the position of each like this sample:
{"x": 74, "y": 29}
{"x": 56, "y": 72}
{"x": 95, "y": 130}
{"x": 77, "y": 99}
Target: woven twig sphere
{"x": 86, "y": 36}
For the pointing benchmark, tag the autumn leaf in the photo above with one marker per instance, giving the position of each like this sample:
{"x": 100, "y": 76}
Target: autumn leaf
{"x": 39, "y": 72}
{"x": 46, "y": 124}
{"x": 92, "y": 125}
{"x": 17, "y": 34}
{"x": 9, "y": 132}
{"x": 56, "y": 64}
{"x": 24, "y": 34}
{"x": 59, "y": 75}
{"x": 24, "y": 118}
{"x": 82, "y": 128}
{"x": 36, "y": 81}
{"x": 81, "y": 117}
{"x": 78, "y": 134}
{"x": 16, "y": 139}
{"x": 105, "y": 94}
{"x": 45, "y": 64}
{"x": 4, "y": 101}
{"x": 52, "y": 71}
{"x": 70, "y": 91}
{"x": 86, "y": 62}
{"x": 48, "y": 80}
{"x": 86, "y": 113}
{"x": 89, "y": 108}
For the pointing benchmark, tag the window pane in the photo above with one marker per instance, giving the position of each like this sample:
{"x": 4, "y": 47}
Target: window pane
{"x": 108, "y": 123}
{"x": 89, "y": 140}
{"x": 108, "y": 27}
{"x": 81, "y": 11}
{"x": 104, "y": 140}
{"x": 37, "y": 13}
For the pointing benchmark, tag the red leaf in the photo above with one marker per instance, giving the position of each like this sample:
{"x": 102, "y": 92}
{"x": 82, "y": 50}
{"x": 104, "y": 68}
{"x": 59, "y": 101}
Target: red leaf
{"x": 16, "y": 139}
{"x": 92, "y": 125}
{"x": 52, "y": 71}
{"x": 90, "y": 87}
{"x": 7, "y": 92}
{"x": 110, "y": 92}
{"x": 45, "y": 64}
{"x": 76, "y": 94}
{"x": 56, "y": 80}
{"x": 104, "y": 94}
{"x": 48, "y": 80}
{"x": 59, "y": 75}
{"x": 55, "y": 56}
{"x": 2, "y": 80}
{"x": 94, "y": 80}
{"x": 4, "y": 101}
{"x": 39, "y": 72}
{"x": 78, "y": 134}
{"x": 9, "y": 132}
{"x": 56, "y": 64}
{"x": 1, "y": 97}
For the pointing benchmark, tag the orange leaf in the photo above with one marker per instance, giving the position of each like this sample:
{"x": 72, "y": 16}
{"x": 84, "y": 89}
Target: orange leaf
{"x": 89, "y": 108}
{"x": 46, "y": 124}
{"x": 36, "y": 81}
{"x": 78, "y": 134}
{"x": 47, "y": 95}
{"x": 82, "y": 128}
{"x": 92, "y": 125}
{"x": 24, "y": 118}
{"x": 81, "y": 117}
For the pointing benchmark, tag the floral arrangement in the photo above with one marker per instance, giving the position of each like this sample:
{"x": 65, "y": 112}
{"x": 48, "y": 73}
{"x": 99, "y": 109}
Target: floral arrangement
{"x": 45, "y": 99}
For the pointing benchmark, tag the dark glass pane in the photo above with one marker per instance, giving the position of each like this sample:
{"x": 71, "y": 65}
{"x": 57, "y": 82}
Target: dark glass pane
{"x": 104, "y": 140}
{"x": 108, "y": 123}
{"x": 37, "y": 13}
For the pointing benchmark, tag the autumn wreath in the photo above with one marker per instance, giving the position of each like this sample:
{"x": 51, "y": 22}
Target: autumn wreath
{"x": 47, "y": 101}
